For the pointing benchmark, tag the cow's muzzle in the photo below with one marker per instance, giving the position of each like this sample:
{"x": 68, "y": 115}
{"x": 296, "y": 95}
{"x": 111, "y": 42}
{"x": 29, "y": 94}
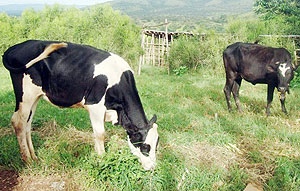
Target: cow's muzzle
{"x": 282, "y": 89}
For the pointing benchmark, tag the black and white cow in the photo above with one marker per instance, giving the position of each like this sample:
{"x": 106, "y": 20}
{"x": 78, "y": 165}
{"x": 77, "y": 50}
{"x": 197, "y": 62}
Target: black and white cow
{"x": 73, "y": 75}
{"x": 257, "y": 64}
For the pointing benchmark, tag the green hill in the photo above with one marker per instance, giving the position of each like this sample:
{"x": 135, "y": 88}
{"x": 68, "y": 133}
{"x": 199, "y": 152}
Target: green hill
{"x": 187, "y": 8}
{"x": 183, "y": 14}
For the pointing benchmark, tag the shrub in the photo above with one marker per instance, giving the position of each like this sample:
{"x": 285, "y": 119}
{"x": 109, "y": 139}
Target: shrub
{"x": 185, "y": 52}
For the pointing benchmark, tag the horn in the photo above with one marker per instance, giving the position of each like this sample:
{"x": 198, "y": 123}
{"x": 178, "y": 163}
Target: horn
{"x": 152, "y": 120}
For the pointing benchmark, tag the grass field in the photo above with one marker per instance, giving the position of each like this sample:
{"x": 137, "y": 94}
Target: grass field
{"x": 202, "y": 145}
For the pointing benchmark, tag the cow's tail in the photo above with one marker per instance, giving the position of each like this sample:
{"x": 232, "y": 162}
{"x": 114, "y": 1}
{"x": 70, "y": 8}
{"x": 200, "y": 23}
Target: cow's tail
{"x": 48, "y": 50}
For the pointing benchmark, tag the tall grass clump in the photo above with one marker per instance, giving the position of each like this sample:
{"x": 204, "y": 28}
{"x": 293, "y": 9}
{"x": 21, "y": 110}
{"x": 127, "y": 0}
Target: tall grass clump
{"x": 185, "y": 53}
{"x": 194, "y": 54}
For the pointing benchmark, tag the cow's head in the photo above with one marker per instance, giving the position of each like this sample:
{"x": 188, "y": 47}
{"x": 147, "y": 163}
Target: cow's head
{"x": 143, "y": 144}
{"x": 285, "y": 74}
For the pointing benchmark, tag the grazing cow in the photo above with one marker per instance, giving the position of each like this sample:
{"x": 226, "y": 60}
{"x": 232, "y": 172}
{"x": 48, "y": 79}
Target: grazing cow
{"x": 73, "y": 75}
{"x": 257, "y": 64}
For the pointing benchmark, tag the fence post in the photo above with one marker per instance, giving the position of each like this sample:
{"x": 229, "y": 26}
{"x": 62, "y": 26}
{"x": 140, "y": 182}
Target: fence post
{"x": 142, "y": 57}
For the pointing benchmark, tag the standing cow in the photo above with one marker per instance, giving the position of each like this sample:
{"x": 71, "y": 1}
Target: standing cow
{"x": 257, "y": 64}
{"x": 73, "y": 75}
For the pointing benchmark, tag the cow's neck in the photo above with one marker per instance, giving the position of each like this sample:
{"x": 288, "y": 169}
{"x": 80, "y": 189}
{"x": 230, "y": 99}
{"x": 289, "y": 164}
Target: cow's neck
{"x": 132, "y": 104}
{"x": 134, "y": 111}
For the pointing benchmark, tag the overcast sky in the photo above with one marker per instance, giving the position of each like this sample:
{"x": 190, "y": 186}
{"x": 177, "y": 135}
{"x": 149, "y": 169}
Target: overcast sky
{"x": 63, "y": 2}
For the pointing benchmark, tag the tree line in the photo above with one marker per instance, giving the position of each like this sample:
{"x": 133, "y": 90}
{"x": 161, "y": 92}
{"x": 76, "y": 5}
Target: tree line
{"x": 98, "y": 26}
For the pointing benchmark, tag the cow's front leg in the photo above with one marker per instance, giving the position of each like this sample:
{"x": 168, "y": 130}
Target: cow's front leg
{"x": 97, "y": 113}
{"x": 269, "y": 98}
{"x": 282, "y": 101}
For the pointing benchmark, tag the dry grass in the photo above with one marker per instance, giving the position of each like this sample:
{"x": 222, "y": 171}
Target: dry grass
{"x": 225, "y": 157}
{"x": 6, "y": 131}
{"x": 52, "y": 131}
{"x": 261, "y": 171}
{"x": 203, "y": 153}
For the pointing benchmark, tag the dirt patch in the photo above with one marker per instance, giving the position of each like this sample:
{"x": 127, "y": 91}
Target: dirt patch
{"x": 11, "y": 180}
{"x": 38, "y": 182}
{"x": 28, "y": 183}
{"x": 8, "y": 179}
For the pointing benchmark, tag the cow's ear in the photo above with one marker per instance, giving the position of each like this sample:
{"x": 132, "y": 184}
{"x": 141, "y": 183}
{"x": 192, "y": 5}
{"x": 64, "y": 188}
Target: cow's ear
{"x": 152, "y": 121}
{"x": 295, "y": 66}
{"x": 272, "y": 68}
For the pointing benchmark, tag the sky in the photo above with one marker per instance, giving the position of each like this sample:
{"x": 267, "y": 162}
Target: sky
{"x": 48, "y": 2}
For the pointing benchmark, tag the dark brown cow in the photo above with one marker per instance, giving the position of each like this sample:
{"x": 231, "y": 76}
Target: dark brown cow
{"x": 257, "y": 64}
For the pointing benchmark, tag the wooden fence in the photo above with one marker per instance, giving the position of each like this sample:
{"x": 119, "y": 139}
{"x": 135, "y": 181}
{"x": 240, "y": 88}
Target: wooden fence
{"x": 297, "y": 56}
{"x": 156, "y": 45}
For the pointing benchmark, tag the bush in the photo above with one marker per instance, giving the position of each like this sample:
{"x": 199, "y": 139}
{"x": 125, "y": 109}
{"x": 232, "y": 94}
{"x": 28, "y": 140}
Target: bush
{"x": 185, "y": 52}
{"x": 195, "y": 54}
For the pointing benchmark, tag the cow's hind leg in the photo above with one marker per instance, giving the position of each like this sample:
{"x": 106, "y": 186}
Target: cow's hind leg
{"x": 227, "y": 90}
{"x": 28, "y": 130}
{"x": 27, "y": 95}
{"x": 269, "y": 97}
{"x": 21, "y": 121}
{"x": 97, "y": 113}
{"x": 235, "y": 92}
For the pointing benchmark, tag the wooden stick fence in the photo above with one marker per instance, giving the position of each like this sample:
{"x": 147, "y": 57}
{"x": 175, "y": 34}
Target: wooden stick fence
{"x": 297, "y": 56}
{"x": 156, "y": 45}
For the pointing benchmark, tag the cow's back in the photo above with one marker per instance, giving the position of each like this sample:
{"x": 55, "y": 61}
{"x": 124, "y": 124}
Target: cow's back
{"x": 69, "y": 75}
{"x": 251, "y": 61}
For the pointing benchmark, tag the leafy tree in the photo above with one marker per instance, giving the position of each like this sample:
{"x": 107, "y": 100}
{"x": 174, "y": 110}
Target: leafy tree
{"x": 287, "y": 11}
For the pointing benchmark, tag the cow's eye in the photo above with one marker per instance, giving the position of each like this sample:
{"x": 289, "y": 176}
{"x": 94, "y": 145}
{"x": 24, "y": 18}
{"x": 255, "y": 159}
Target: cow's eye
{"x": 145, "y": 149}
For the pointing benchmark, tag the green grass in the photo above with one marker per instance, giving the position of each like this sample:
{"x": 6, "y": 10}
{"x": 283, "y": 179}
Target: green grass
{"x": 202, "y": 145}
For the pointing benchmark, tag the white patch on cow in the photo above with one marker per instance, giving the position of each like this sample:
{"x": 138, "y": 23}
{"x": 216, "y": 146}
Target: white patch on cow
{"x": 282, "y": 68}
{"x": 148, "y": 162}
{"x": 30, "y": 89}
{"x": 112, "y": 67}
{"x": 111, "y": 116}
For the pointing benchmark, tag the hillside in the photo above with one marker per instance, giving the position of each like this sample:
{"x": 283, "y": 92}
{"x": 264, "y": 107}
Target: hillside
{"x": 144, "y": 9}
{"x": 185, "y": 15}
{"x": 17, "y": 9}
